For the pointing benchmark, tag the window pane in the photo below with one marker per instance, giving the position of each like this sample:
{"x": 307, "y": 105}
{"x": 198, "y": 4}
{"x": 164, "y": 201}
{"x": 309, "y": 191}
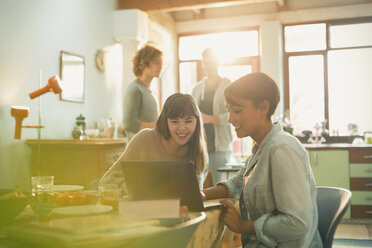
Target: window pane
{"x": 187, "y": 76}
{"x": 306, "y": 89}
{"x": 307, "y": 37}
{"x": 228, "y": 45}
{"x": 234, "y": 72}
{"x": 351, "y": 35}
{"x": 350, "y": 89}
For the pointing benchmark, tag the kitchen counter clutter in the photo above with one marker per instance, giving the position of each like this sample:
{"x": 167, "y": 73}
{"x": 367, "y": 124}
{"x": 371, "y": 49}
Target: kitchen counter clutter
{"x": 75, "y": 161}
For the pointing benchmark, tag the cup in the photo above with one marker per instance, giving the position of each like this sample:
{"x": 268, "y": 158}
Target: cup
{"x": 42, "y": 194}
{"x": 42, "y": 184}
{"x": 368, "y": 137}
{"x": 109, "y": 195}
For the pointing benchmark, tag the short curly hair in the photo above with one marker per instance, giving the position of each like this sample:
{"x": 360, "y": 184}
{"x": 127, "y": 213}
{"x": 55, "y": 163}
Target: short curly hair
{"x": 142, "y": 58}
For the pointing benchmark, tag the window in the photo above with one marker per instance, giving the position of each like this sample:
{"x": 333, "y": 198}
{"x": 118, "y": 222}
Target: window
{"x": 328, "y": 76}
{"x": 238, "y": 53}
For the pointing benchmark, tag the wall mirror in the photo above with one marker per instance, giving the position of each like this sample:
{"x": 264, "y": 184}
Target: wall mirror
{"x": 72, "y": 76}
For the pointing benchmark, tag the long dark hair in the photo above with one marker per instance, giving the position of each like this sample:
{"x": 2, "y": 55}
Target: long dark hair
{"x": 180, "y": 105}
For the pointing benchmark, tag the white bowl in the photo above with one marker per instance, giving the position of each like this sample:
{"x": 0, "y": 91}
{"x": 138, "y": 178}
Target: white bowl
{"x": 92, "y": 133}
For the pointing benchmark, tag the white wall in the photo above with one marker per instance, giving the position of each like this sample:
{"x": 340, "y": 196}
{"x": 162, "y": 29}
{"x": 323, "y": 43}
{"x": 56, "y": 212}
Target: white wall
{"x": 32, "y": 34}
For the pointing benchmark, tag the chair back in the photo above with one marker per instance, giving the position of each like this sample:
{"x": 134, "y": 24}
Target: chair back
{"x": 176, "y": 236}
{"x": 332, "y": 204}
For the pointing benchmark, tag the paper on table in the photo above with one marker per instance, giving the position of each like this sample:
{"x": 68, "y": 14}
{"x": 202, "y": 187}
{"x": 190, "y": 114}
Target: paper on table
{"x": 150, "y": 209}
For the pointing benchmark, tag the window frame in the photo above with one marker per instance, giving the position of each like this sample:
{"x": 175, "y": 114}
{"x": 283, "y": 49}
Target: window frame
{"x": 254, "y": 61}
{"x": 324, "y": 52}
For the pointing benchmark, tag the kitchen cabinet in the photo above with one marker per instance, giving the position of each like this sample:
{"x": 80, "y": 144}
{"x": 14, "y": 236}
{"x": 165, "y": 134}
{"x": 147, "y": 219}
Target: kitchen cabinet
{"x": 76, "y": 162}
{"x": 361, "y": 182}
{"x": 331, "y": 168}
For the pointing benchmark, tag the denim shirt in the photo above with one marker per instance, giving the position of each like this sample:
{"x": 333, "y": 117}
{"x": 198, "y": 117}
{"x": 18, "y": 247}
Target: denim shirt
{"x": 280, "y": 194}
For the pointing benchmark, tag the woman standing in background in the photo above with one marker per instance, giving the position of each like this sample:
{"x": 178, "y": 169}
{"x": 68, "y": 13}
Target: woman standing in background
{"x": 140, "y": 105}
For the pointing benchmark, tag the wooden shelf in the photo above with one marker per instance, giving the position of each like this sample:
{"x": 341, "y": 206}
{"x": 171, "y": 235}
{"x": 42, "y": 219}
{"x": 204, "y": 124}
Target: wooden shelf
{"x": 93, "y": 142}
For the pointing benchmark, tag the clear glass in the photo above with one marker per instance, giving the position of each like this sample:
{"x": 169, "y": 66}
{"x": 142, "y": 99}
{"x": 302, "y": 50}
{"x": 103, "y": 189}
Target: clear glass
{"x": 350, "y": 89}
{"x": 227, "y": 45}
{"x": 42, "y": 184}
{"x": 351, "y": 35}
{"x": 309, "y": 37}
{"x": 306, "y": 89}
{"x": 42, "y": 194}
{"x": 109, "y": 195}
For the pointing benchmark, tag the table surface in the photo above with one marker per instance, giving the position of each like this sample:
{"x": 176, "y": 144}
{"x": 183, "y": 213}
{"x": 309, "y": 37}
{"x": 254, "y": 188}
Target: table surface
{"x": 207, "y": 234}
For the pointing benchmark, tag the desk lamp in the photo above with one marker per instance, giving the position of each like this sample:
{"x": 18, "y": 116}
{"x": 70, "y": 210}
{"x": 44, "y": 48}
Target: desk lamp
{"x": 52, "y": 86}
{"x": 21, "y": 112}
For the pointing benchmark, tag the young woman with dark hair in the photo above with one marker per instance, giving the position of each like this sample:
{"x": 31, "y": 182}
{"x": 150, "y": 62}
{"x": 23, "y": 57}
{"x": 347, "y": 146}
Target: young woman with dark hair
{"x": 179, "y": 136}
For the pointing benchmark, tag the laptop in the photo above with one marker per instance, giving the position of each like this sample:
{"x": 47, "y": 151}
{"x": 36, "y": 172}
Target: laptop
{"x": 150, "y": 180}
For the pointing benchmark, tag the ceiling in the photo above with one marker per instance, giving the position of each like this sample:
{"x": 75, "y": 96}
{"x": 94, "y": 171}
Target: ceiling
{"x": 185, "y": 10}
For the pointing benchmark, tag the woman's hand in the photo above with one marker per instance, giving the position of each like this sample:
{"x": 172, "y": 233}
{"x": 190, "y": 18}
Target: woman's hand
{"x": 232, "y": 219}
{"x": 203, "y": 195}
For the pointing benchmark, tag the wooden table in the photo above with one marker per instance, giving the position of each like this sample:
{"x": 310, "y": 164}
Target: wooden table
{"x": 208, "y": 233}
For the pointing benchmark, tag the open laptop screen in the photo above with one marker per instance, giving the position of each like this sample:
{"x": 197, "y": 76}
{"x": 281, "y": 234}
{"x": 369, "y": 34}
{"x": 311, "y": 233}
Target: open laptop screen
{"x": 147, "y": 180}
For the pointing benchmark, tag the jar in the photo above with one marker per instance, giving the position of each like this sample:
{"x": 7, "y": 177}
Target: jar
{"x": 368, "y": 137}
{"x": 79, "y": 130}
{"x": 80, "y": 121}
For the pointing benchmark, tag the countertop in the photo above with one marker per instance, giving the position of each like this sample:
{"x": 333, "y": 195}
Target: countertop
{"x": 92, "y": 142}
{"x": 335, "y": 146}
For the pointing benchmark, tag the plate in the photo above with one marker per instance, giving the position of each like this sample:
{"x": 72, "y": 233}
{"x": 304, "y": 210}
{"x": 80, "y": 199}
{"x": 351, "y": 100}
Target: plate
{"x": 67, "y": 188}
{"x": 82, "y": 210}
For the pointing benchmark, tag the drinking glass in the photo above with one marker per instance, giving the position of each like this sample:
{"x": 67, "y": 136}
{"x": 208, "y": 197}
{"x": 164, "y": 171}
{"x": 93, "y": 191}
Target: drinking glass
{"x": 42, "y": 194}
{"x": 109, "y": 195}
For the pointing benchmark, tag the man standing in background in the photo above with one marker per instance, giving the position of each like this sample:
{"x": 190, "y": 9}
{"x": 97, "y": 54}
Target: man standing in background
{"x": 208, "y": 93}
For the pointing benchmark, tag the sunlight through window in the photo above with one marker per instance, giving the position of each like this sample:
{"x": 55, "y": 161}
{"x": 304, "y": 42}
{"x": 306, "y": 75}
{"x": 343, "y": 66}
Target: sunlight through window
{"x": 228, "y": 45}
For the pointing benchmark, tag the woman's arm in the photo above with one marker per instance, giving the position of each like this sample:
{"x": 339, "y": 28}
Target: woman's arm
{"x": 233, "y": 220}
{"x": 219, "y": 191}
{"x": 132, "y": 106}
{"x": 292, "y": 194}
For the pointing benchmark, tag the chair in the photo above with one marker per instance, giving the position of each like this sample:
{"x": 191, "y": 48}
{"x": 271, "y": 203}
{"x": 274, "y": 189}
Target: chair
{"x": 332, "y": 204}
{"x": 176, "y": 236}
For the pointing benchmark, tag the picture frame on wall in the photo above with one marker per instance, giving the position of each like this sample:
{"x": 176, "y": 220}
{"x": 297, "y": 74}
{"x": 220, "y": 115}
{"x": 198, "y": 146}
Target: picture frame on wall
{"x": 72, "y": 72}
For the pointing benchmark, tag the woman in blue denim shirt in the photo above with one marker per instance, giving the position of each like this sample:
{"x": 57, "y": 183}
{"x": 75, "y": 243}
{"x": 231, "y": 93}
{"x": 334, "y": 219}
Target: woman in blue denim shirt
{"x": 276, "y": 187}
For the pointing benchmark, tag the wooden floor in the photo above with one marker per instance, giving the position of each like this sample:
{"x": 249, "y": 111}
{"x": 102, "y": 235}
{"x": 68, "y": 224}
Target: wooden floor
{"x": 353, "y": 231}
{"x": 357, "y": 234}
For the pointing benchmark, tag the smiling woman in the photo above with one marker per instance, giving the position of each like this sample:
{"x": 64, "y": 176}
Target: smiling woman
{"x": 178, "y": 136}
